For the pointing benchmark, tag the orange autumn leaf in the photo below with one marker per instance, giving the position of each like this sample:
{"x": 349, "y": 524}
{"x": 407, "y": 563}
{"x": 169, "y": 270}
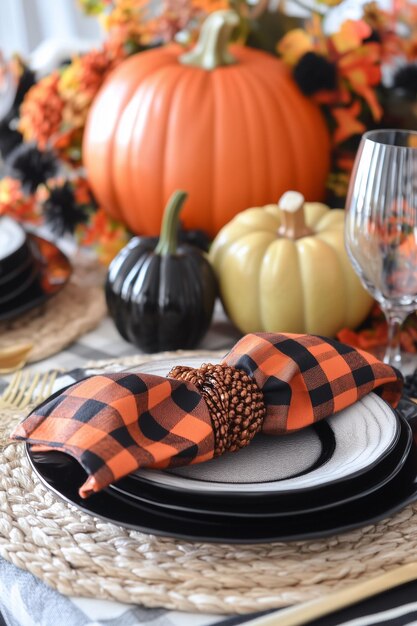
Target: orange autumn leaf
{"x": 365, "y": 339}
{"x": 348, "y": 336}
{"x": 370, "y": 97}
{"x": 104, "y": 234}
{"x": 362, "y": 69}
{"x": 367, "y": 58}
{"x": 347, "y": 122}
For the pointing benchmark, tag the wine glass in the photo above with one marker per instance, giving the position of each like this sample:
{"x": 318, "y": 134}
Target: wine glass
{"x": 381, "y": 226}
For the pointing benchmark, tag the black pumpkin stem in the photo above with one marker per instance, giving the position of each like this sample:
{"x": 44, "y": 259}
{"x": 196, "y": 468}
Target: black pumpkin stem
{"x": 168, "y": 239}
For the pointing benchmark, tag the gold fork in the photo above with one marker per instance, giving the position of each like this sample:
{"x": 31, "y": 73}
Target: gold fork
{"x": 28, "y": 388}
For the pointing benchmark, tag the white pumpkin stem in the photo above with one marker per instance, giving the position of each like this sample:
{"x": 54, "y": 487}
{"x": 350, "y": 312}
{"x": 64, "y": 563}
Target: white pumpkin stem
{"x": 293, "y": 225}
{"x": 211, "y": 50}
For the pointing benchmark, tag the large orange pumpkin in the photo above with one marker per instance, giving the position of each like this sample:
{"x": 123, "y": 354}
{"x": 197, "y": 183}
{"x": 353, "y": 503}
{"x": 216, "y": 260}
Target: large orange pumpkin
{"x": 228, "y": 126}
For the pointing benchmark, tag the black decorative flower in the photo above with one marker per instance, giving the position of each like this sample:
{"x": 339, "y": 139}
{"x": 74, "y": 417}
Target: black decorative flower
{"x": 31, "y": 166}
{"x": 314, "y": 73}
{"x": 62, "y": 212}
{"x": 197, "y": 238}
{"x": 406, "y": 79}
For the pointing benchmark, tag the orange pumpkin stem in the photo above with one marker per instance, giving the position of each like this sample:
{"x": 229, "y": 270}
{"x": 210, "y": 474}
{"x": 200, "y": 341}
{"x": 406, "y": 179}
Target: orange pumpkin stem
{"x": 211, "y": 50}
{"x": 293, "y": 224}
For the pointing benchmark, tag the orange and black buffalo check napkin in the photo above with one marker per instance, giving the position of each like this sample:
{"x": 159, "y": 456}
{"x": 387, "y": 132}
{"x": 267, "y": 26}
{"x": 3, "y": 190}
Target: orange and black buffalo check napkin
{"x": 114, "y": 424}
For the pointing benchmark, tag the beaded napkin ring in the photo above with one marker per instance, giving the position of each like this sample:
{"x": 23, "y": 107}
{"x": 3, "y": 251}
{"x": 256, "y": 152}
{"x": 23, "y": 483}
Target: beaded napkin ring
{"x": 235, "y": 403}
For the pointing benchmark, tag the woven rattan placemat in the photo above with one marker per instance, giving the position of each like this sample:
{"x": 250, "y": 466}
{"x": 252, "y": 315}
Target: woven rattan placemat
{"x": 82, "y": 556}
{"x": 75, "y": 310}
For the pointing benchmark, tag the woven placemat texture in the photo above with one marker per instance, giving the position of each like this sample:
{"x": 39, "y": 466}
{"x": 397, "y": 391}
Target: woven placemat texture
{"x": 83, "y": 556}
{"x": 75, "y": 310}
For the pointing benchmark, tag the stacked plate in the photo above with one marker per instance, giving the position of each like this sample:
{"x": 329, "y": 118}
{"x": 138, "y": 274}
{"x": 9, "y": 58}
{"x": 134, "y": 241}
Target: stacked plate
{"x": 32, "y": 269}
{"x": 348, "y": 471}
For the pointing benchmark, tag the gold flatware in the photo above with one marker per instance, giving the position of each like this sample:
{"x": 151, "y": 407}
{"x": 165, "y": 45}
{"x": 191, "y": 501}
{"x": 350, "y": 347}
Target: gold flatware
{"x": 313, "y": 609}
{"x": 28, "y": 388}
{"x": 14, "y": 357}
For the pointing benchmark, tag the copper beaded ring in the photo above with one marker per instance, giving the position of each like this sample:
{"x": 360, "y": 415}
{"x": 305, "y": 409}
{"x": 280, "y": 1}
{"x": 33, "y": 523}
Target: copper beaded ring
{"x": 235, "y": 402}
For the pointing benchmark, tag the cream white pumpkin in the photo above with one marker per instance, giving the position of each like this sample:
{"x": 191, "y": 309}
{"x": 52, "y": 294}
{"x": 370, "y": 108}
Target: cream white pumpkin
{"x": 285, "y": 269}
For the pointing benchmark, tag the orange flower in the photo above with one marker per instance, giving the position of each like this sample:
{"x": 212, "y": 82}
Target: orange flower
{"x": 350, "y": 36}
{"x": 174, "y": 16}
{"x": 41, "y": 111}
{"x": 16, "y": 204}
{"x": 80, "y": 82}
{"x": 294, "y": 45}
{"x": 127, "y": 20}
{"x": 54, "y": 111}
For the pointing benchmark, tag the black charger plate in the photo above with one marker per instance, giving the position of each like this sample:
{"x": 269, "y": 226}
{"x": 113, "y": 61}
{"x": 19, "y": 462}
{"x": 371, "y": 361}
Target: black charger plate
{"x": 63, "y": 475}
{"x": 276, "y": 505}
{"x": 280, "y": 476}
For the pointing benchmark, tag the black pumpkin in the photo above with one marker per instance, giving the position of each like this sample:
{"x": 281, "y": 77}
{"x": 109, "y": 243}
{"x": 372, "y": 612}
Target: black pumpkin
{"x": 161, "y": 295}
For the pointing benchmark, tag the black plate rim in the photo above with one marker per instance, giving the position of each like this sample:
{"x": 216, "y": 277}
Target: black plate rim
{"x": 166, "y": 530}
{"x": 394, "y": 468}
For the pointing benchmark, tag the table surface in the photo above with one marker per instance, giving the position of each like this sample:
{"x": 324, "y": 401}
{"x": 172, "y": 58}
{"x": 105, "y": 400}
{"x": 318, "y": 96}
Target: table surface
{"x": 26, "y": 601}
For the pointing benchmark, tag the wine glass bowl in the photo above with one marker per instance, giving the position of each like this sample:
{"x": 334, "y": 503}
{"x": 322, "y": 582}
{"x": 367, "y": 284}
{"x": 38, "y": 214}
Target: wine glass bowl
{"x": 381, "y": 225}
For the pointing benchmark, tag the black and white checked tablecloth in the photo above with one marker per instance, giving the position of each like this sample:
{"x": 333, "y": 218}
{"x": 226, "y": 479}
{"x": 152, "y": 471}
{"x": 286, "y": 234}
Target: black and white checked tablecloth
{"x": 26, "y": 601}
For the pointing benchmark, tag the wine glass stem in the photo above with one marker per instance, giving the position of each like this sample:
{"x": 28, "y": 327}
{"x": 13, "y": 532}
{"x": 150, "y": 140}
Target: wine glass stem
{"x": 395, "y": 321}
